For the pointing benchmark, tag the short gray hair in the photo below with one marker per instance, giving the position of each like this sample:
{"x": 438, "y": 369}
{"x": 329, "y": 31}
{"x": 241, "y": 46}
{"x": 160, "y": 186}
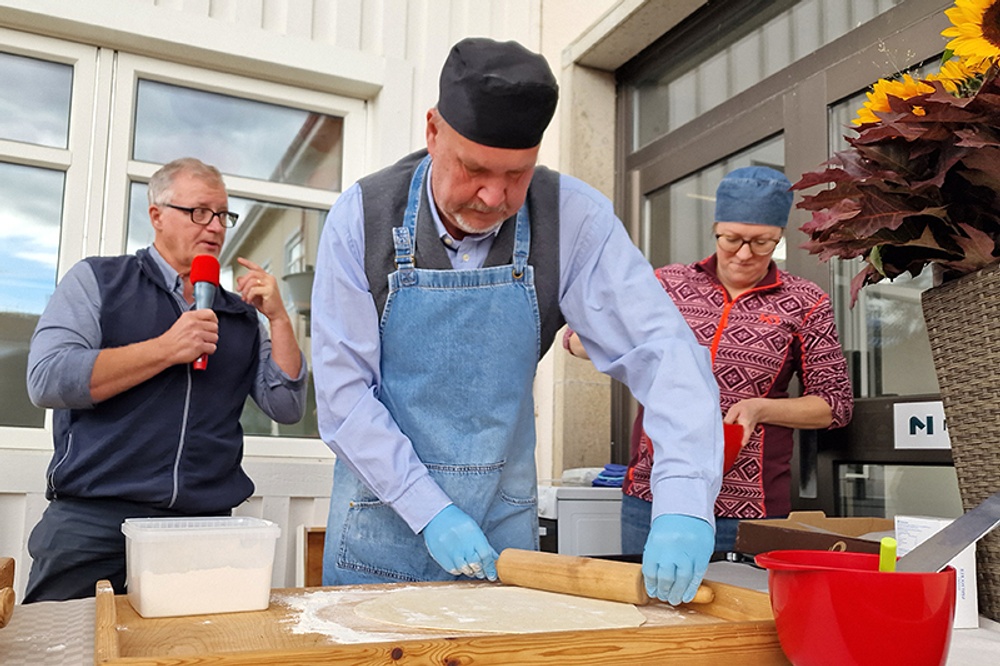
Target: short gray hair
{"x": 161, "y": 184}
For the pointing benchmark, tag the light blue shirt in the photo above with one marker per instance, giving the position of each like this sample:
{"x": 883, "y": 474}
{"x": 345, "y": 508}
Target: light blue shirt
{"x": 68, "y": 337}
{"x": 607, "y": 293}
{"x": 468, "y": 253}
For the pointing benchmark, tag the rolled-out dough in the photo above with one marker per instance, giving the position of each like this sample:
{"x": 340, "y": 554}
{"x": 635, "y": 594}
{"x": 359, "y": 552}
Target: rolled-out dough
{"x": 497, "y": 609}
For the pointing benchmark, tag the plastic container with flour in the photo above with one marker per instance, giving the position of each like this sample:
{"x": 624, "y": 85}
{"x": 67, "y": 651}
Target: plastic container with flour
{"x": 196, "y": 566}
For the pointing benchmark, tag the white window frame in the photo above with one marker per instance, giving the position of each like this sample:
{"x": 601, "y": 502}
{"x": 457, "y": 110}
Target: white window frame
{"x": 73, "y": 161}
{"x": 122, "y": 170}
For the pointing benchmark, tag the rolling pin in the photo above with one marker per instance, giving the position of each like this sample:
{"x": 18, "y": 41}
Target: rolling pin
{"x": 581, "y": 576}
{"x": 6, "y": 590}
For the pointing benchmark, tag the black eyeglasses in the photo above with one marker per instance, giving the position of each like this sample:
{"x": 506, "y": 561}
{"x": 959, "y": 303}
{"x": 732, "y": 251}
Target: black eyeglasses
{"x": 204, "y": 216}
{"x": 759, "y": 246}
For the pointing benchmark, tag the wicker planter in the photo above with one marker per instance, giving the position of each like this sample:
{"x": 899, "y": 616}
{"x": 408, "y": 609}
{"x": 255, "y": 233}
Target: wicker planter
{"x": 963, "y": 323}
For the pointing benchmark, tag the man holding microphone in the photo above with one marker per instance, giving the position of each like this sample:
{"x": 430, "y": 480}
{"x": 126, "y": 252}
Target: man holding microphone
{"x": 138, "y": 429}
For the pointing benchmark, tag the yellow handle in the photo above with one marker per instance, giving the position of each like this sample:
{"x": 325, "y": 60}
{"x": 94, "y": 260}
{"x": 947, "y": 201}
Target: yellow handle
{"x": 887, "y": 554}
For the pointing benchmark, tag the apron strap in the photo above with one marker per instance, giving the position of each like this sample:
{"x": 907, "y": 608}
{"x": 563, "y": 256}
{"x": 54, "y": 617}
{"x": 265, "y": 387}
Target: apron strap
{"x": 404, "y": 238}
{"x": 415, "y": 195}
{"x": 522, "y": 241}
{"x": 404, "y": 250}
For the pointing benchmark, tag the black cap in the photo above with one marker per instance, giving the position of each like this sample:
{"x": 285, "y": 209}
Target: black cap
{"x": 497, "y": 94}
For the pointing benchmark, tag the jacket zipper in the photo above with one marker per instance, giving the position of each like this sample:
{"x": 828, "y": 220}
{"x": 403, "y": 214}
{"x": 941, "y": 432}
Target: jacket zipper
{"x": 180, "y": 444}
{"x": 724, "y": 319}
{"x": 52, "y": 475}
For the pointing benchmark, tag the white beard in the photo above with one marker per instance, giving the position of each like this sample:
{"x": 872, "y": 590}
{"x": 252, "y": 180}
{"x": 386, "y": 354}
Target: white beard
{"x": 459, "y": 221}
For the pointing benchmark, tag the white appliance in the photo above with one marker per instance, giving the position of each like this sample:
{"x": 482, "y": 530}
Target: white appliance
{"x": 586, "y": 519}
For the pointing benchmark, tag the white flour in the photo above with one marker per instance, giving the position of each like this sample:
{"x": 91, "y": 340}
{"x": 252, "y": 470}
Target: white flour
{"x": 197, "y": 592}
{"x": 313, "y": 614}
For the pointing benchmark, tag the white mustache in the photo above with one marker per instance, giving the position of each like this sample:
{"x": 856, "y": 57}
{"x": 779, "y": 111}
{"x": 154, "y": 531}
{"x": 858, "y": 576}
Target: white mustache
{"x": 483, "y": 208}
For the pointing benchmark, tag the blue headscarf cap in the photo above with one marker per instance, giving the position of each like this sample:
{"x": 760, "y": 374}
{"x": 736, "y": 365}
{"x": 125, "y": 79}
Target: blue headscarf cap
{"x": 754, "y": 195}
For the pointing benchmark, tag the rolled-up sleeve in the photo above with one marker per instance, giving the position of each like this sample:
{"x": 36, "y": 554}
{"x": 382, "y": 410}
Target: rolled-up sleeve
{"x": 346, "y": 360}
{"x": 281, "y": 397}
{"x": 66, "y": 342}
{"x": 632, "y": 331}
{"x": 824, "y": 367}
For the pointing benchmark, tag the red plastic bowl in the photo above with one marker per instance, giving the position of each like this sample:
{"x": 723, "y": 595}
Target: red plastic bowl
{"x": 834, "y": 608}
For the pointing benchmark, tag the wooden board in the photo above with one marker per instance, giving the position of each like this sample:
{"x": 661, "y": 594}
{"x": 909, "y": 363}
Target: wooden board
{"x": 314, "y": 539}
{"x": 6, "y": 590}
{"x": 319, "y": 626}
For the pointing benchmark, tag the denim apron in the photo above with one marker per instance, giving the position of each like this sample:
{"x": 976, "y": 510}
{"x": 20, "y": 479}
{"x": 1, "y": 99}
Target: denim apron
{"x": 459, "y": 353}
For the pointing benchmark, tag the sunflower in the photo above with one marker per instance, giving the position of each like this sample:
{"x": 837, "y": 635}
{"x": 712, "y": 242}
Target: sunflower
{"x": 975, "y": 29}
{"x": 878, "y": 98}
{"x": 959, "y": 77}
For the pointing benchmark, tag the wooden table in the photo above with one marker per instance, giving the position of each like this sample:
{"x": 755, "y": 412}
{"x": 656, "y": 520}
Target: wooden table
{"x": 61, "y": 633}
{"x": 736, "y": 626}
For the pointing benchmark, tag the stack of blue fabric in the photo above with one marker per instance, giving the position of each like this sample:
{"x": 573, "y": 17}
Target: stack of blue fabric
{"x": 611, "y": 476}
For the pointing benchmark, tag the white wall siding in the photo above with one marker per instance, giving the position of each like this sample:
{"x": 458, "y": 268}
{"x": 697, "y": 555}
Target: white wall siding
{"x": 352, "y": 24}
{"x": 293, "y": 494}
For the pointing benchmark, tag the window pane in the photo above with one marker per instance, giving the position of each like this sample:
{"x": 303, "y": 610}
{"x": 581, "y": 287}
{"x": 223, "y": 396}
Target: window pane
{"x": 30, "y": 213}
{"x": 672, "y": 212}
{"x": 886, "y": 491}
{"x": 34, "y": 105}
{"x": 695, "y": 77}
{"x": 284, "y": 239}
{"x": 239, "y": 136}
{"x": 884, "y": 336}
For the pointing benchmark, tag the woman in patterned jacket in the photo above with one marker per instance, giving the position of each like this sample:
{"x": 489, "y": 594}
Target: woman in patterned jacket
{"x": 763, "y": 326}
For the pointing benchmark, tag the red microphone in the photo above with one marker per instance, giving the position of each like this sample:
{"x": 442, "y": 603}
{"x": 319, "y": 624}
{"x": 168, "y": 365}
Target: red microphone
{"x": 205, "y": 278}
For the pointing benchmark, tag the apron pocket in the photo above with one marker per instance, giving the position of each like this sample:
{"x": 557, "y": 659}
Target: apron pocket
{"x": 377, "y": 542}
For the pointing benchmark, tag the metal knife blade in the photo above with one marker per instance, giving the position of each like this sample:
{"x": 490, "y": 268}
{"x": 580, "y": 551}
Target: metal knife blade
{"x": 935, "y": 553}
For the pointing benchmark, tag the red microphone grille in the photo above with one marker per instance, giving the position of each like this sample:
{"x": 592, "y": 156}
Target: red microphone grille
{"x": 205, "y": 268}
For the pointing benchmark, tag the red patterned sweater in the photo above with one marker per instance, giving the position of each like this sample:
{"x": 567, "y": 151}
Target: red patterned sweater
{"x": 759, "y": 341}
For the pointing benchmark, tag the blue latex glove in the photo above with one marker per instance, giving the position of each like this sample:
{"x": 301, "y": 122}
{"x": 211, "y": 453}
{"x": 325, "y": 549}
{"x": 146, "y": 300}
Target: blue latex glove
{"x": 457, "y": 543}
{"x": 676, "y": 556}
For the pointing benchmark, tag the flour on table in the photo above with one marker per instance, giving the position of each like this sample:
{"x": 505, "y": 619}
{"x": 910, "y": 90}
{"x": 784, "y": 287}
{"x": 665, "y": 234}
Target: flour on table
{"x": 317, "y": 613}
{"x": 496, "y": 609}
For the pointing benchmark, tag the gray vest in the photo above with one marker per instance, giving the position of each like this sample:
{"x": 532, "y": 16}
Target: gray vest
{"x": 383, "y": 196}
